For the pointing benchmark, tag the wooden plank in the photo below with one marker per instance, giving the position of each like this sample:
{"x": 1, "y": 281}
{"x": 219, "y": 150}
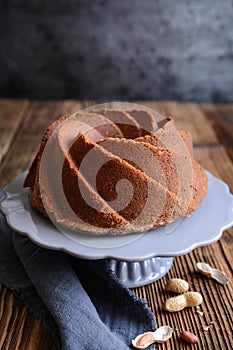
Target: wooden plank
{"x": 12, "y": 113}
{"x": 221, "y": 119}
{"x": 188, "y": 116}
{"x": 216, "y": 160}
{"x": 24, "y": 148}
{"x": 27, "y": 141}
{"x": 19, "y": 329}
{"x": 217, "y": 304}
{"x": 71, "y": 106}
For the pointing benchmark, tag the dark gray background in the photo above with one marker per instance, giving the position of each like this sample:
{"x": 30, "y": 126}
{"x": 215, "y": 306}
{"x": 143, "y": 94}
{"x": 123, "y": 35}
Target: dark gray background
{"x": 117, "y": 49}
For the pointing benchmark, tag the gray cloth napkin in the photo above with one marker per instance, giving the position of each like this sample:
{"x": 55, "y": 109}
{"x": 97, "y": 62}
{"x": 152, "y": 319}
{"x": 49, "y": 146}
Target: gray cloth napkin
{"x": 82, "y": 303}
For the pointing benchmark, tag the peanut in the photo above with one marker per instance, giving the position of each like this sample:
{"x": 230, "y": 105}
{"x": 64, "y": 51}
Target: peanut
{"x": 145, "y": 339}
{"x": 189, "y": 337}
{"x": 177, "y": 285}
{"x": 208, "y": 271}
{"x": 178, "y": 303}
{"x": 161, "y": 335}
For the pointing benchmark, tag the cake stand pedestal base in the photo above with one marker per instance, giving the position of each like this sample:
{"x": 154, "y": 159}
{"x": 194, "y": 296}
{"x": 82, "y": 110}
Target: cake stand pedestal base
{"x": 139, "y": 273}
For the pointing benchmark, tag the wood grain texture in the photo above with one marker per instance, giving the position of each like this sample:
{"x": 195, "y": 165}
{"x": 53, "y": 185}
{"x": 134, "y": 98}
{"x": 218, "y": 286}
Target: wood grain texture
{"x": 19, "y": 329}
{"x": 211, "y": 127}
{"x": 12, "y": 113}
{"x": 221, "y": 119}
{"x": 188, "y": 116}
{"x": 27, "y": 140}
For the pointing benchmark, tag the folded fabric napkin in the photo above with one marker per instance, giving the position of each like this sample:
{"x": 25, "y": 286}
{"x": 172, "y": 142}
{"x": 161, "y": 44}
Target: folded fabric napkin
{"x": 82, "y": 303}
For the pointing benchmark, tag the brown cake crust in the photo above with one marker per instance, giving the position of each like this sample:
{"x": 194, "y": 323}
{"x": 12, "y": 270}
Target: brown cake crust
{"x": 154, "y": 158}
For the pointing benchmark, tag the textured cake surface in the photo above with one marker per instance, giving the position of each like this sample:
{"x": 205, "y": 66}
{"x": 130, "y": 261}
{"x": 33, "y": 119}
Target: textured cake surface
{"x": 115, "y": 172}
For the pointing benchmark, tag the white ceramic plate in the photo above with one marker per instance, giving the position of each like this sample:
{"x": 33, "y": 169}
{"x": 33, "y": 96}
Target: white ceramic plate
{"x": 204, "y": 227}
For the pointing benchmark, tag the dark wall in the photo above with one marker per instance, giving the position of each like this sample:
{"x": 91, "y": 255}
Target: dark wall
{"x": 117, "y": 49}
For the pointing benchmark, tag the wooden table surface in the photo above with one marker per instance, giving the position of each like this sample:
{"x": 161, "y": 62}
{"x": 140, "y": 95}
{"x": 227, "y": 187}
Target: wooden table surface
{"x": 22, "y": 124}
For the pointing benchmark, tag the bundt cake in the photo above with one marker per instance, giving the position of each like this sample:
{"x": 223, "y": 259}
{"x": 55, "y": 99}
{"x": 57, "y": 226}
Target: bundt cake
{"x": 108, "y": 171}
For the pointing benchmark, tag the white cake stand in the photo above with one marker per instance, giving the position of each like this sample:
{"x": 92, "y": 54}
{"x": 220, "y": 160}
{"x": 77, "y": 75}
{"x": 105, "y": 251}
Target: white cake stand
{"x": 137, "y": 259}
